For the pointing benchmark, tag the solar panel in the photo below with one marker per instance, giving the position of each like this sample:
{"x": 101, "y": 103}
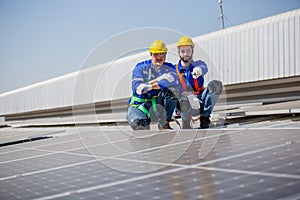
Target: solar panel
{"x": 244, "y": 162}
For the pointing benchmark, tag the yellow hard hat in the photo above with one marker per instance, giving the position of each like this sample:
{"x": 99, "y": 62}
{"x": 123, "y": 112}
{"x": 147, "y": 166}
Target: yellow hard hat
{"x": 185, "y": 41}
{"x": 158, "y": 46}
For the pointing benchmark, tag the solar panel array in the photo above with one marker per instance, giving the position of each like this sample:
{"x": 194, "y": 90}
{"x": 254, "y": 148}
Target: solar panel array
{"x": 245, "y": 161}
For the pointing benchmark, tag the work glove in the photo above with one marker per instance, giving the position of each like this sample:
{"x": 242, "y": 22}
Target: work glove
{"x": 166, "y": 76}
{"x": 197, "y": 71}
{"x": 194, "y": 101}
{"x": 142, "y": 88}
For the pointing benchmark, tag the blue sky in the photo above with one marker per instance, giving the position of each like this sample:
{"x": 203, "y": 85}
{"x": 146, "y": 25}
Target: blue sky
{"x": 43, "y": 39}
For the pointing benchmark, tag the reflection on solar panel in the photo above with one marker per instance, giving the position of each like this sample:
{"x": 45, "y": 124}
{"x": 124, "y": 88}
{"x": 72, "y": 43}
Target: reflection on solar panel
{"x": 243, "y": 162}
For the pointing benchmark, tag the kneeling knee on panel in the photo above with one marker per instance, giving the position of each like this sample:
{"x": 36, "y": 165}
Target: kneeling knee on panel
{"x": 140, "y": 124}
{"x": 183, "y": 105}
{"x": 215, "y": 87}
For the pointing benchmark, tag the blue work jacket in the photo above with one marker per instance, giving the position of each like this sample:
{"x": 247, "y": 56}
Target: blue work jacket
{"x": 145, "y": 72}
{"x": 188, "y": 77}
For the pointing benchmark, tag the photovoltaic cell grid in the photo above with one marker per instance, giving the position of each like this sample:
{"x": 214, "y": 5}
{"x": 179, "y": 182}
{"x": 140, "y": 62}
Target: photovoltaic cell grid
{"x": 243, "y": 163}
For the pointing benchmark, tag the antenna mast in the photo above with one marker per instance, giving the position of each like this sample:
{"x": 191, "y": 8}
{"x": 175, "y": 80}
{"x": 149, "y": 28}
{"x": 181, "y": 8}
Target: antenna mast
{"x": 221, "y": 14}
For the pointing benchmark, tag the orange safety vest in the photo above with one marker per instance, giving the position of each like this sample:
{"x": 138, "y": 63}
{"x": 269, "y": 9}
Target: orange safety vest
{"x": 198, "y": 89}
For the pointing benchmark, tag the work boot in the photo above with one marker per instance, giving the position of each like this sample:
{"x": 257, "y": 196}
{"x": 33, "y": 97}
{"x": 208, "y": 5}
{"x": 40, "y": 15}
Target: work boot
{"x": 186, "y": 125}
{"x": 166, "y": 126}
{"x": 204, "y": 122}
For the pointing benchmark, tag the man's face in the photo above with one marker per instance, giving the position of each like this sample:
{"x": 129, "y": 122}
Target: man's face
{"x": 186, "y": 53}
{"x": 158, "y": 59}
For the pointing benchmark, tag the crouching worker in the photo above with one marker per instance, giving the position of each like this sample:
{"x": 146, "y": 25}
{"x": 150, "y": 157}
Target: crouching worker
{"x": 194, "y": 100}
{"x": 152, "y": 98}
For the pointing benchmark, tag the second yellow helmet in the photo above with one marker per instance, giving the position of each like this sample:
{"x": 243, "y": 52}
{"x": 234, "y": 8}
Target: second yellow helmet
{"x": 185, "y": 41}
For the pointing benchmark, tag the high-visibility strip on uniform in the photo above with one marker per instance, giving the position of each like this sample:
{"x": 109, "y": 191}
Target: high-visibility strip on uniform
{"x": 149, "y": 74}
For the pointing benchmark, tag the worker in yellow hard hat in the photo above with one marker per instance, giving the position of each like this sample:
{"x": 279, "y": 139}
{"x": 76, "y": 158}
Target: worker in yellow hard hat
{"x": 152, "y": 99}
{"x": 195, "y": 100}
